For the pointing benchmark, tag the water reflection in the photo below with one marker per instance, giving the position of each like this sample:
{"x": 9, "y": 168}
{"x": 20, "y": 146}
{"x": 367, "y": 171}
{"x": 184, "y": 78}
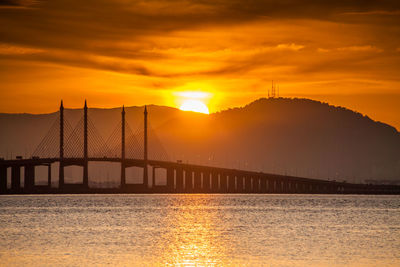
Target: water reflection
{"x": 199, "y": 230}
{"x": 192, "y": 235}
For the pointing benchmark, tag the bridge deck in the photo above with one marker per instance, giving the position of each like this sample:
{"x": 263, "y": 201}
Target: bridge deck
{"x": 184, "y": 178}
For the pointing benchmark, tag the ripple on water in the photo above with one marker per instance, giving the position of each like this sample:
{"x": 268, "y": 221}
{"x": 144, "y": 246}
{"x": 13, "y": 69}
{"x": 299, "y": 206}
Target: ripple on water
{"x": 187, "y": 230}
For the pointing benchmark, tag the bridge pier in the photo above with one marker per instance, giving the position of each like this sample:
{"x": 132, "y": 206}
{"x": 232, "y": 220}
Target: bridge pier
{"x": 285, "y": 186}
{"x": 15, "y": 178}
{"x": 123, "y": 174}
{"x": 214, "y": 182}
{"x": 271, "y": 185}
{"x": 297, "y": 187}
{"x": 29, "y": 178}
{"x": 275, "y": 186}
{"x": 197, "y": 181}
{"x": 279, "y": 186}
{"x": 263, "y": 184}
{"x": 85, "y": 174}
{"x": 304, "y": 188}
{"x": 188, "y": 181}
{"x": 170, "y": 180}
{"x": 179, "y": 180}
{"x": 289, "y": 186}
{"x": 293, "y": 187}
{"x": 256, "y": 184}
{"x": 247, "y": 184}
{"x": 316, "y": 188}
{"x": 49, "y": 175}
{"x": 153, "y": 176}
{"x": 206, "y": 182}
{"x": 223, "y": 182}
{"x": 239, "y": 184}
{"x": 3, "y": 179}
{"x": 61, "y": 182}
{"x": 231, "y": 183}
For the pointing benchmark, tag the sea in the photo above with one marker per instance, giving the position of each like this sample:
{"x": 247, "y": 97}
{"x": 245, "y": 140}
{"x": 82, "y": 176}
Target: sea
{"x": 199, "y": 230}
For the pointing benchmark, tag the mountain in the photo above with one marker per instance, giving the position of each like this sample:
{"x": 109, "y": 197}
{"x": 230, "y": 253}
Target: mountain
{"x": 279, "y": 135}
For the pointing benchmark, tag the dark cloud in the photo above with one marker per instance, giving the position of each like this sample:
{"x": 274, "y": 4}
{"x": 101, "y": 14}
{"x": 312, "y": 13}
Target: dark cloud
{"x": 127, "y": 30}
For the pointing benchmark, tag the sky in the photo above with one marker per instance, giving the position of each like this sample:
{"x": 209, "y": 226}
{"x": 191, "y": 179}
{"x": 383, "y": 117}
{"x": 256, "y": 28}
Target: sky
{"x": 117, "y": 52}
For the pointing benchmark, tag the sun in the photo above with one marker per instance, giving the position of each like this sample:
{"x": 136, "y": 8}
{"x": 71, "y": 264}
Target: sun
{"x": 194, "y": 105}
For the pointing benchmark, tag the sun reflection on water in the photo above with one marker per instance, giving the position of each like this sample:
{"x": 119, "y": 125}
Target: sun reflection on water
{"x": 193, "y": 238}
{"x": 199, "y": 230}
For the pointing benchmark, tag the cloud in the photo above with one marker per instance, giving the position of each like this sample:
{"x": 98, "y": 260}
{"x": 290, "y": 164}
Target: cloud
{"x": 6, "y": 49}
{"x": 362, "y": 48}
{"x": 374, "y": 12}
{"x": 293, "y": 47}
{"x": 4, "y": 4}
{"x": 323, "y": 50}
{"x": 181, "y": 39}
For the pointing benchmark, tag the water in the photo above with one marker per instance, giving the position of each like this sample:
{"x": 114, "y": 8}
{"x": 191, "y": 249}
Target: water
{"x": 200, "y": 230}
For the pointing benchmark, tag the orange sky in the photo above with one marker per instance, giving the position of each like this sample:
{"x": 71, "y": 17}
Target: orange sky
{"x": 140, "y": 52}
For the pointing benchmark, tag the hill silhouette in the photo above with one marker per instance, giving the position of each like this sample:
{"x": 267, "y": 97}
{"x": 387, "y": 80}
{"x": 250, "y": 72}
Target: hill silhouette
{"x": 279, "y": 135}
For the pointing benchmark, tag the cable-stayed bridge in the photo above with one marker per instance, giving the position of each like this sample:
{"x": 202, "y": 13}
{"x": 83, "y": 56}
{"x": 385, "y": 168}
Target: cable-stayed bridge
{"x": 130, "y": 147}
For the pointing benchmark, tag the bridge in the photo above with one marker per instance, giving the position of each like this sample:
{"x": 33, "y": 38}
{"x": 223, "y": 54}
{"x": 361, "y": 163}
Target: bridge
{"x": 62, "y": 144}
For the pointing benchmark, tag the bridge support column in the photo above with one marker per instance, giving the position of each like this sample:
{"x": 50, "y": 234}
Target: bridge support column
{"x": 170, "y": 180}
{"x": 309, "y": 188}
{"x": 256, "y": 184}
{"x": 231, "y": 183}
{"x": 303, "y": 189}
{"x": 316, "y": 188}
{"x": 48, "y": 175}
{"x": 188, "y": 181}
{"x": 179, "y": 180}
{"x": 214, "y": 182}
{"x": 61, "y": 175}
{"x": 123, "y": 174}
{"x": 153, "y": 177}
{"x": 336, "y": 189}
{"x": 293, "y": 187}
{"x": 285, "y": 186}
{"x": 206, "y": 182}
{"x": 223, "y": 183}
{"x": 247, "y": 184}
{"x": 15, "y": 178}
{"x": 273, "y": 185}
{"x": 197, "y": 181}
{"x": 263, "y": 184}
{"x": 239, "y": 184}
{"x": 86, "y": 174}
{"x": 313, "y": 188}
{"x": 29, "y": 178}
{"x": 3, "y": 179}
{"x": 276, "y": 183}
{"x": 278, "y": 186}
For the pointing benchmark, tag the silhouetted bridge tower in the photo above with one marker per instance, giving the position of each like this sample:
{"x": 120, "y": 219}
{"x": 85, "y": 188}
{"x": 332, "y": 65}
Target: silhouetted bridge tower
{"x": 82, "y": 144}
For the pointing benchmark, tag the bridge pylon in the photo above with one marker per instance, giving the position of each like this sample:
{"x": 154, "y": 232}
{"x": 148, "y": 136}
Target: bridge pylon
{"x": 85, "y": 147}
{"x": 145, "y": 159}
{"x": 61, "y": 166}
{"x": 123, "y": 165}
